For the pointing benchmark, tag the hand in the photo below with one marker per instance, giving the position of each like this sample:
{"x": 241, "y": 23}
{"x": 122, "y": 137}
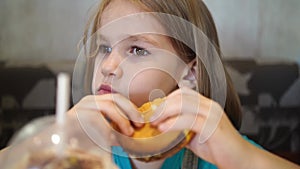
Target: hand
{"x": 216, "y": 139}
{"x": 105, "y": 108}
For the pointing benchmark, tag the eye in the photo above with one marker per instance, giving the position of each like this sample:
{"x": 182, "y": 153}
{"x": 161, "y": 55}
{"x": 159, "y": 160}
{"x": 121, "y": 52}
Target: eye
{"x": 104, "y": 49}
{"x": 139, "y": 51}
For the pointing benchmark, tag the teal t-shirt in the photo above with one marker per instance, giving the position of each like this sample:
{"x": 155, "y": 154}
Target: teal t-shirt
{"x": 175, "y": 162}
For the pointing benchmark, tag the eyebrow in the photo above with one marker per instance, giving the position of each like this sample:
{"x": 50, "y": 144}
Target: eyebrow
{"x": 146, "y": 38}
{"x": 138, "y": 37}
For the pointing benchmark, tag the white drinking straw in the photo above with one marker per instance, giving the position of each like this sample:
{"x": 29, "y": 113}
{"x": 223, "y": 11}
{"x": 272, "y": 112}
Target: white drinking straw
{"x": 62, "y": 105}
{"x": 62, "y": 97}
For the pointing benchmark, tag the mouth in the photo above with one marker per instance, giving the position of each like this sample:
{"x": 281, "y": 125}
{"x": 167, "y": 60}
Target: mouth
{"x": 105, "y": 89}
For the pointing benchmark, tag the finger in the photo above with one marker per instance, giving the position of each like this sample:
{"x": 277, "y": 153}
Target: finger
{"x": 187, "y": 102}
{"x": 127, "y": 107}
{"x": 176, "y": 105}
{"x": 183, "y": 122}
{"x": 137, "y": 124}
{"x": 205, "y": 126}
{"x": 110, "y": 110}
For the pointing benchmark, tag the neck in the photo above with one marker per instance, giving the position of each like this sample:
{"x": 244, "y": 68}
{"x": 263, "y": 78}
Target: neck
{"x": 136, "y": 164}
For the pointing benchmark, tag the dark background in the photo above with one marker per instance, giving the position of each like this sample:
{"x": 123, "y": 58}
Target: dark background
{"x": 269, "y": 93}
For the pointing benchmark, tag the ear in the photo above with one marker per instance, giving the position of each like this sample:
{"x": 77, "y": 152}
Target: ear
{"x": 189, "y": 77}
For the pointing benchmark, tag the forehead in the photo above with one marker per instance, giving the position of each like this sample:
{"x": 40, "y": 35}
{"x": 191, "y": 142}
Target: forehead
{"x": 117, "y": 9}
{"x": 122, "y": 18}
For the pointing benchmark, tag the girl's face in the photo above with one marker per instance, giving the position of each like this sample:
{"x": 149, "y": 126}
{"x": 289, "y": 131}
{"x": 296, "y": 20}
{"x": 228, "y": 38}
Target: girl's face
{"x": 134, "y": 58}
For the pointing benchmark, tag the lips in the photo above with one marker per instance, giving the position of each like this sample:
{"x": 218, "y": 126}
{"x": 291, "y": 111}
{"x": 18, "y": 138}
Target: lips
{"x": 105, "y": 89}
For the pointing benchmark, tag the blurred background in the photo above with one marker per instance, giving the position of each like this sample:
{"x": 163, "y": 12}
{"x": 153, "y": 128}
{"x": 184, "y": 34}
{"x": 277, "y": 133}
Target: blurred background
{"x": 260, "y": 41}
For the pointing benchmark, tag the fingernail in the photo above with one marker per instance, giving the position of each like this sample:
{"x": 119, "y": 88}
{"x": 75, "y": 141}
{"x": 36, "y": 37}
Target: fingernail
{"x": 130, "y": 131}
{"x": 162, "y": 127}
{"x": 141, "y": 119}
{"x": 138, "y": 124}
{"x": 153, "y": 122}
{"x": 157, "y": 113}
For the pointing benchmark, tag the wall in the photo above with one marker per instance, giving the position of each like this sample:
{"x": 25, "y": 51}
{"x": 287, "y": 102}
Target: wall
{"x": 50, "y": 30}
{"x": 41, "y": 30}
{"x": 256, "y": 28}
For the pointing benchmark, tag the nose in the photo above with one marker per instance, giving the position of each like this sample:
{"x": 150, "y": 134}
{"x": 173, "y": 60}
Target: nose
{"x": 111, "y": 65}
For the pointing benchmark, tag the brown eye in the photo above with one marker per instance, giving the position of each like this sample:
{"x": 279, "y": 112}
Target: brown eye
{"x": 138, "y": 51}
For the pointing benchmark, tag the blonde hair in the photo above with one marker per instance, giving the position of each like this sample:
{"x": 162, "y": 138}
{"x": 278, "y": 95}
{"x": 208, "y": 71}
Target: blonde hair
{"x": 196, "y": 12}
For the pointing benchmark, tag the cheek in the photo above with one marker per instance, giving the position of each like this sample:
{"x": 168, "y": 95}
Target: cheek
{"x": 97, "y": 78}
{"x": 150, "y": 84}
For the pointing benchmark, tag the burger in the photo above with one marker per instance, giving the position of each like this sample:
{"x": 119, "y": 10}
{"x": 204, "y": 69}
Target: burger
{"x": 148, "y": 143}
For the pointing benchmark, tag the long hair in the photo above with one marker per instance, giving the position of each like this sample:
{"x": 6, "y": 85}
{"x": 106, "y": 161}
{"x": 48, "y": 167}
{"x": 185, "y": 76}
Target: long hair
{"x": 196, "y": 12}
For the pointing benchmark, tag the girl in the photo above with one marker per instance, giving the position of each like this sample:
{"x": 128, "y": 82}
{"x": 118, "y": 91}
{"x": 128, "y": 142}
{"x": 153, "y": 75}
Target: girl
{"x": 134, "y": 60}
